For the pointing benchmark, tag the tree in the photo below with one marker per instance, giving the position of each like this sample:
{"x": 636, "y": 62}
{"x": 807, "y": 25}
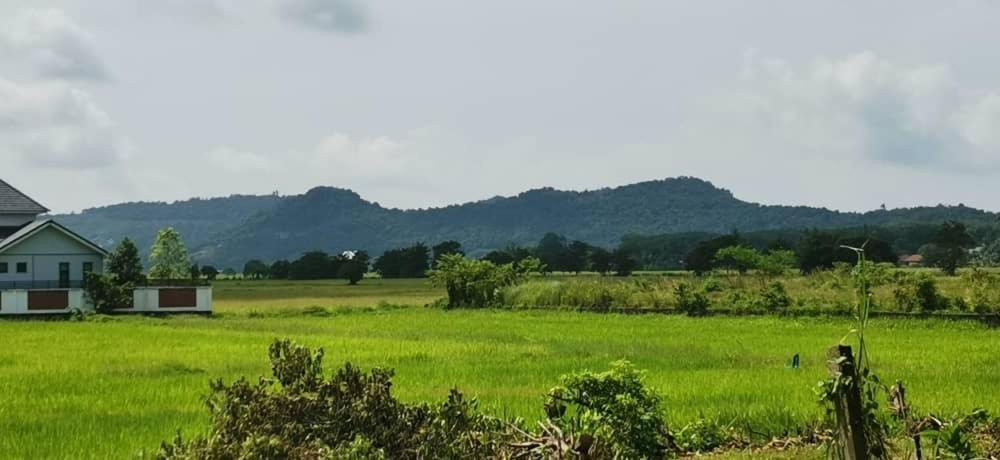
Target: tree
{"x": 702, "y": 258}
{"x": 623, "y": 262}
{"x": 989, "y": 255}
{"x": 876, "y": 250}
{"x": 552, "y": 251}
{"x": 106, "y": 293}
{"x": 279, "y": 270}
{"x": 600, "y": 260}
{"x": 352, "y": 266}
{"x": 195, "y": 271}
{"x": 776, "y": 262}
{"x": 738, "y": 258}
{"x": 209, "y": 272}
{"x": 948, "y": 248}
{"x": 313, "y": 265}
{"x": 411, "y": 262}
{"x": 446, "y": 247}
{"x": 575, "y": 259}
{"x": 125, "y": 264}
{"x": 256, "y": 269}
{"x": 509, "y": 254}
{"x": 816, "y": 251}
{"x": 169, "y": 256}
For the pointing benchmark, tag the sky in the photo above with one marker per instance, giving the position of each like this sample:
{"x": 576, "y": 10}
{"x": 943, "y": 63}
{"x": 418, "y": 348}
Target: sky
{"x": 846, "y": 105}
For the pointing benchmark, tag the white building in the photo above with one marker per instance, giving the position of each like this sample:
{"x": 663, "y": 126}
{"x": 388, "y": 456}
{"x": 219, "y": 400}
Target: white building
{"x": 42, "y": 266}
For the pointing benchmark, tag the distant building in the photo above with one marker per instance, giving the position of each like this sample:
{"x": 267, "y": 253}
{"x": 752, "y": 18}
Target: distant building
{"x": 911, "y": 260}
{"x": 42, "y": 266}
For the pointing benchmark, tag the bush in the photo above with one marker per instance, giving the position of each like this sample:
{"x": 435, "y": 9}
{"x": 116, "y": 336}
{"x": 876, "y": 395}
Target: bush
{"x": 702, "y": 435}
{"x": 616, "y": 408}
{"x": 983, "y": 291}
{"x": 105, "y": 293}
{"x": 917, "y": 293}
{"x": 772, "y": 297}
{"x": 299, "y": 414}
{"x": 691, "y": 301}
{"x": 477, "y": 283}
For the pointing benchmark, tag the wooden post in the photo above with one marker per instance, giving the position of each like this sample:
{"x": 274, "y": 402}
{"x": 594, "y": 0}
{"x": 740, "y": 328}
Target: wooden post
{"x": 850, "y": 416}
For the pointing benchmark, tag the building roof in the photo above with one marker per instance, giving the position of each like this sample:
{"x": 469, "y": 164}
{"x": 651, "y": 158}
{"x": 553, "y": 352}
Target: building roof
{"x": 12, "y": 201}
{"x": 31, "y": 229}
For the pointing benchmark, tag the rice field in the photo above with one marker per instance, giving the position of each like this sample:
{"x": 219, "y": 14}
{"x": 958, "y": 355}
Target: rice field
{"x": 115, "y": 387}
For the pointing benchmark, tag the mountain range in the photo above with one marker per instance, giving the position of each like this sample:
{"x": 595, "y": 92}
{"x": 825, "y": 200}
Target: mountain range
{"x": 226, "y": 232}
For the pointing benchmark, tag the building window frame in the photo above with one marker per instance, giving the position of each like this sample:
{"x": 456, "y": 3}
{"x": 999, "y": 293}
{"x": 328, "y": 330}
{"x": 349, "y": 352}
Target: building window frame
{"x": 22, "y": 267}
{"x": 4, "y": 268}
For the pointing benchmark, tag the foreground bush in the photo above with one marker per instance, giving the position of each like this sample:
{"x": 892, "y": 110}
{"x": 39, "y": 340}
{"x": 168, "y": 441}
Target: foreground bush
{"x": 299, "y": 413}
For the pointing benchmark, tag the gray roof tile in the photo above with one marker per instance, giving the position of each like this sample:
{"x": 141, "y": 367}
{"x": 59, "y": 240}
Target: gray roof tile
{"x": 12, "y": 201}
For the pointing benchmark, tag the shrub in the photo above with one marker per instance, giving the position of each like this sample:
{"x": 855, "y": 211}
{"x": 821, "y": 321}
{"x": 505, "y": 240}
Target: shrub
{"x": 772, "y": 297}
{"x": 982, "y": 291}
{"x": 691, "y": 301}
{"x": 300, "y": 414}
{"x": 711, "y": 284}
{"x": 917, "y": 293}
{"x": 616, "y": 408}
{"x": 702, "y": 435}
{"x": 105, "y": 293}
{"x": 477, "y": 283}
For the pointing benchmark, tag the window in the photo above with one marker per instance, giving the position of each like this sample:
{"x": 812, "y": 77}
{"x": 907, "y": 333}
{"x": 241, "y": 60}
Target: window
{"x": 22, "y": 267}
{"x": 88, "y": 267}
{"x": 3, "y": 267}
{"x": 63, "y": 275}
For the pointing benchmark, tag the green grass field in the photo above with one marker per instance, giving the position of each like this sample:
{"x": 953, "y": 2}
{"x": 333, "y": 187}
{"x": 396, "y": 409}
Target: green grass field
{"x": 109, "y": 388}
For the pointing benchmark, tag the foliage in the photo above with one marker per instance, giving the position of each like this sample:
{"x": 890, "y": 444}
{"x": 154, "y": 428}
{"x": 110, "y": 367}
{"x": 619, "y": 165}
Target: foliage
{"x": 477, "y": 283}
{"x": 124, "y": 263}
{"x": 948, "y": 249}
{"x": 209, "y": 272}
{"x": 601, "y": 260}
{"x": 917, "y": 292}
{"x": 507, "y": 255}
{"x": 690, "y": 301}
{"x": 352, "y": 266}
{"x": 195, "y": 271}
{"x": 989, "y": 255}
{"x": 105, "y": 292}
{"x": 257, "y": 269}
{"x": 737, "y": 258}
{"x": 702, "y": 435}
{"x": 622, "y": 262}
{"x": 301, "y": 414}
{"x": 410, "y": 262}
{"x": 615, "y": 407}
{"x": 702, "y": 258}
{"x": 446, "y": 247}
{"x": 280, "y": 270}
{"x": 169, "y": 257}
{"x": 313, "y": 265}
{"x": 772, "y": 297}
{"x": 982, "y": 290}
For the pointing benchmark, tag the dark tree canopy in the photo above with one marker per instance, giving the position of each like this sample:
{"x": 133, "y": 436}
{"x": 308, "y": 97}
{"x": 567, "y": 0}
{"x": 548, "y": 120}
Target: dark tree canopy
{"x": 702, "y": 258}
{"x": 411, "y": 262}
{"x": 949, "y": 247}
{"x": 124, "y": 263}
{"x": 256, "y": 269}
{"x": 445, "y": 248}
{"x": 280, "y": 270}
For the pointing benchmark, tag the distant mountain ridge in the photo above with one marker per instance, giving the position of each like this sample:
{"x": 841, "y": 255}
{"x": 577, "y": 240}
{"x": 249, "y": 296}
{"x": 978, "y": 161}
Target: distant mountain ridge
{"x": 228, "y": 231}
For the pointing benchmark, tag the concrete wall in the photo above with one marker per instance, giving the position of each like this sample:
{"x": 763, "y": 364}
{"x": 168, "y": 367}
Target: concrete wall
{"x": 43, "y": 253}
{"x": 145, "y": 300}
{"x": 15, "y": 302}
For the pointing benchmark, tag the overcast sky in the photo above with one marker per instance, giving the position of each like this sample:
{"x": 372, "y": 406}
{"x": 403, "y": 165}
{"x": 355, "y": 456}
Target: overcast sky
{"x": 845, "y": 104}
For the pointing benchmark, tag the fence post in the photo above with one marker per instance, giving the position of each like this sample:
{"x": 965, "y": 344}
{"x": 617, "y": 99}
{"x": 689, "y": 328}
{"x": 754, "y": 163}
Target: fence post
{"x": 850, "y": 416}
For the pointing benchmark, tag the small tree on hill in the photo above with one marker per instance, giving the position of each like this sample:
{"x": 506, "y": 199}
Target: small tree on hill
{"x": 169, "y": 256}
{"x": 125, "y": 264}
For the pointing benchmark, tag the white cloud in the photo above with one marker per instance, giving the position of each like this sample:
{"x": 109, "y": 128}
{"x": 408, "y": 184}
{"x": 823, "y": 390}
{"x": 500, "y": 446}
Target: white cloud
{"x": 57, "y": 126}
{"x": 863, "y": 106}
{"x": 342, "y": 16}
{"x": 54, "y": 43}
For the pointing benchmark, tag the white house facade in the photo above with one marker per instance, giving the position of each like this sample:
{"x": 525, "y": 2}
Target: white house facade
{"x": 43, "y": 266}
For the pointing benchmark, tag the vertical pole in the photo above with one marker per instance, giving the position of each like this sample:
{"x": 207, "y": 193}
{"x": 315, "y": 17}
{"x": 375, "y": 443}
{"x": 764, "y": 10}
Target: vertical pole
{"x": 850, "y": 416}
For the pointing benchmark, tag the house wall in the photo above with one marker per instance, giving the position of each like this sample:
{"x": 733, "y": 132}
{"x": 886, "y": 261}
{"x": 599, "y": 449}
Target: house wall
{"x": 15, "y": 220}
{"x": 43, "y": 252}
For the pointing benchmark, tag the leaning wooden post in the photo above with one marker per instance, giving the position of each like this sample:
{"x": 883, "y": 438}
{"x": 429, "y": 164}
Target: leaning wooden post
{"x": 850, "y": 416}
